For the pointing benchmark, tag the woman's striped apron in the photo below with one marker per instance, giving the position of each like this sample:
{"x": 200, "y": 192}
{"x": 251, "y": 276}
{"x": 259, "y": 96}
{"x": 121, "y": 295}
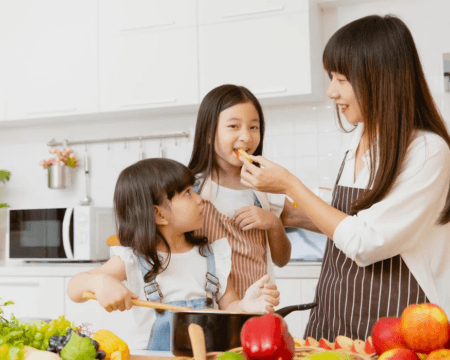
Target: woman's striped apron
{"x": 352, "y": 298}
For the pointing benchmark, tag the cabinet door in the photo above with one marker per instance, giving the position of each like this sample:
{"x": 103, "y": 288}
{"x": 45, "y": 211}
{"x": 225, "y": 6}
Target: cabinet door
{"x": 33, "y": 296}
{"x": 148, "y": 69}
{"x": 91, "y": 313}
{"x": 214, "y": 11}
{"x": 291, "y": 294}
{"x": 123, "y": 16}
{"x": 51, "y": 57}
{"x": 270, "y": 56}
{"x": 2, "y": 79}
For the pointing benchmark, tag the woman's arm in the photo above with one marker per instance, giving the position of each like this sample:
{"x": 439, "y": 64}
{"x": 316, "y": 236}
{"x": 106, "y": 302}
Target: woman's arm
{"x": 293, "y": 217}
{"x": 106, "y": 283}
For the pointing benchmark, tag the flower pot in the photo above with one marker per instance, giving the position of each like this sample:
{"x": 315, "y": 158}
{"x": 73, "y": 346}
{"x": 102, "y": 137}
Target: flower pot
{"x": 58, "y": 176}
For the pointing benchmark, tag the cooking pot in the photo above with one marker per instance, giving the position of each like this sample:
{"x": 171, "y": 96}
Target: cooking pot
{"x": 222, "y": 329}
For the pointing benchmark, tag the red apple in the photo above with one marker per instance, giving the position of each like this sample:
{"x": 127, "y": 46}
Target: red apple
{"x": 425, "y": 327}
{"x": 310, "y": 341}
{"x": 398, "y": 354}
{"x": 439, "y": 354}
{"x": 343, "y": 342}
{"x": 358, "y": 347}
{"x": 368, "y": 346}
{"x": 325, "y": 344}
{"x": 387, "y": 335}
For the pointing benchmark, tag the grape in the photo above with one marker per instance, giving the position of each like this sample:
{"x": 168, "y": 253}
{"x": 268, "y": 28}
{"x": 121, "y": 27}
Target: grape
{"x": 54, "y": 340}
{"x": 51, "y": 349}
{"x": 100, "y": 355}
{"x": 59, "y": 348}
{"x": 96, "y": 344}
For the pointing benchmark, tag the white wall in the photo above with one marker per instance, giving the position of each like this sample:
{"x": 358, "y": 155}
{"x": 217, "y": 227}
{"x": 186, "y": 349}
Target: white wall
{"x": 303, "y": 138}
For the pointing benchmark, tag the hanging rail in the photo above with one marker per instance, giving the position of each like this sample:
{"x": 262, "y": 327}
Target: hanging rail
{"x": 53, "y": 142}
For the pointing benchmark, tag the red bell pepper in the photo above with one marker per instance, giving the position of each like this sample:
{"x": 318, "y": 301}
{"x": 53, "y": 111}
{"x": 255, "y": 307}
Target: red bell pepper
{"x": 267, "y": 337}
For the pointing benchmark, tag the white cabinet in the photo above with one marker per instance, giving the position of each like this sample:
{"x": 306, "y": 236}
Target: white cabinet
{"x": 33, "y": 296}
{"x": 296, "y": 292}
{"x": 51, "y": 57}
{"x": 147, "y": 62}
{"x": 214, "y": 11}
{"x": 272, "y": 56}
{"x": 90, "y": 312}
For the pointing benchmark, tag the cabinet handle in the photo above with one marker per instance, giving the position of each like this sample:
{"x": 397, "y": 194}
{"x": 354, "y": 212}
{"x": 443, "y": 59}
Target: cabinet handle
{"x": 269, "y": 91}
{"x": 19, "y": 284}
{"x": 158, "y": 101}
{"x": 51, "y": 112}
{"x": 244, "y": 13}
{"x": 147, "y": 27}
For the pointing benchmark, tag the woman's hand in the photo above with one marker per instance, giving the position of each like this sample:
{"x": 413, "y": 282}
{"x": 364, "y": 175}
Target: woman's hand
{"x": 270, "y": 177}
{"x": 113, "y": 295}
{"x": 261, "y": 297}
{"x": 253, "y": 217}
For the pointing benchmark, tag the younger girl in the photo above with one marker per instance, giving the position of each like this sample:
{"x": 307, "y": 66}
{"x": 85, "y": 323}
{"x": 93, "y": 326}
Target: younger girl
{"x": 160, "y": 260}
{"x": 230, "y": 118}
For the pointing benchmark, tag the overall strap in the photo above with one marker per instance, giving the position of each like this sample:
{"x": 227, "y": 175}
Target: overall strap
{"x": 212, "y": 281}
{"x": 256, "y": 201}
{"x": 151, "y": 289}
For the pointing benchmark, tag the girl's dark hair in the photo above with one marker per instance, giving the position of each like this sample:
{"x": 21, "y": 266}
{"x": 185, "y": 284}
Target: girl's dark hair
{"x": 378, "y": 57}
{"x": 139, "y": 188}
{"x": 203, "y": 161}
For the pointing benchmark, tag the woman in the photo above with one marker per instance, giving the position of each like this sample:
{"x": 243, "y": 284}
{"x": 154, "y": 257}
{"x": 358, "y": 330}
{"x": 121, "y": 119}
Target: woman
{"x": 389, "y": 223}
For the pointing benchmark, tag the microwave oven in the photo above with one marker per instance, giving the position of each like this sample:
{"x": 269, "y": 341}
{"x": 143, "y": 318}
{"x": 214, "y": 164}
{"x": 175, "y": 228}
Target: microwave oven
{"x": 59, "y": 234}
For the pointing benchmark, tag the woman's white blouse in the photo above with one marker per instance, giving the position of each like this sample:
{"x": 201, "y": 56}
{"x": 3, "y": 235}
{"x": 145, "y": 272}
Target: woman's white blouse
{"x": 183, "y": 279}
{"x": 405, "y": 221}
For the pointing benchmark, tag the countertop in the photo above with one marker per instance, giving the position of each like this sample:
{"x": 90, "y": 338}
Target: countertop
{"x": 294, "y": 269}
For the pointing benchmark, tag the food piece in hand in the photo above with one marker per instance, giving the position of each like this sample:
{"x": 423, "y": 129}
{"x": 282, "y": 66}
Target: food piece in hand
{"x": 387, "y": 335}
{"x": 241, "y": 152}
{"x": 358, "y": 347}
{"x": 231, "y": 355}
{"x": 113, "y": 346}
{"x": 343, "y": 342}
{"x": 78, "y": 348}
{"x": 398, "y": 354}
{"x": 425, "y": 327}
{"x": 295, "y": 204}
{"x": 310, "y": 341}
{"x": 267, "y": 337}
{"x": 325, "y": 344}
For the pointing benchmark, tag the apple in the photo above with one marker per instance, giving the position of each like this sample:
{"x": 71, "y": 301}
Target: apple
{"x": 310, "y": 341}
{"x": 439, "y": 354}
{"x": 425, "y": 327}
{"x": 299, "y": 342}
{"x": 343, "y": 342}
{"x": 358, "y": 347}
{"x": 387, "y": 335}
{"x": 325, "y": 344}
{"x": 398, "y": 354}
{"x": 368, "y": 346}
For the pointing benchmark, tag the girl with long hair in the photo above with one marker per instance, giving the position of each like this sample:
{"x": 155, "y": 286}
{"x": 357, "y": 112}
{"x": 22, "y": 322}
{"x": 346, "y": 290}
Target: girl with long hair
{"x": 230, "y": 118}
{"x": 161, "y": 260}
{"x": 388, "y": 226}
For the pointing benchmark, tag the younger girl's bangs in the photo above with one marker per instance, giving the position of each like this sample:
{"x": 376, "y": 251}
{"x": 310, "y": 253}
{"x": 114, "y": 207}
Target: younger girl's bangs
{"x": 177, "y": 178}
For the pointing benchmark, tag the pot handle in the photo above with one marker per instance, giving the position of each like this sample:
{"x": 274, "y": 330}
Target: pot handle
{"x": 288, "y": 309}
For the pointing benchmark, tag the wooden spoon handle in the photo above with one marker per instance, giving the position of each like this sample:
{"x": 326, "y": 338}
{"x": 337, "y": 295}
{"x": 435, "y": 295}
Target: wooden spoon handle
{"x": 142, "y": 303}
{"x": 197, "y": 337}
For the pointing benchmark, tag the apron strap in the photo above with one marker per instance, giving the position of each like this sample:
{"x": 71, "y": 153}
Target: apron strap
{"x": 212, "y": 281}
{"x": 151, "y": 290}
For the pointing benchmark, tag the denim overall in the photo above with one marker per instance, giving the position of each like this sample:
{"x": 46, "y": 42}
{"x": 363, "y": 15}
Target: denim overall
{"x": 160, "y": 334}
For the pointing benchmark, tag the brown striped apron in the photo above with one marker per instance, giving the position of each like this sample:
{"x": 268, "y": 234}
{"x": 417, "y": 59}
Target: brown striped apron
{"x": 351, "y": 298}
{"x": 248, "y": 248}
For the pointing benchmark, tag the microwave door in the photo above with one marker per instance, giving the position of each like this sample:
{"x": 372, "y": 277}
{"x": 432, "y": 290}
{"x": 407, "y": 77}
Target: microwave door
{"x": 66, "y": 233}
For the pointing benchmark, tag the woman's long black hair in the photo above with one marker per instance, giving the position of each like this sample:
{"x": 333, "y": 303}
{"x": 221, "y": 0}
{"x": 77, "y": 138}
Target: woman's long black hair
{"x": 139, "y": 188}
{"x": 378, "y": 57}
{"x": 203, "y": 161}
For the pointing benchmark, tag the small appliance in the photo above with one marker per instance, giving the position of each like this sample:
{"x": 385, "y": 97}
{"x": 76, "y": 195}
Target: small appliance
{"x": 76, "y": 234}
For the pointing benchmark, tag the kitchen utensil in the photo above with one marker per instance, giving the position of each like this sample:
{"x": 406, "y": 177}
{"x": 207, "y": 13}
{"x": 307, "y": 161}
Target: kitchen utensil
{"x": 86, "y": 200}
{"x": 222, "y": 329}
{"x": 197, "y": 337}
{"x": 143, "y": 303}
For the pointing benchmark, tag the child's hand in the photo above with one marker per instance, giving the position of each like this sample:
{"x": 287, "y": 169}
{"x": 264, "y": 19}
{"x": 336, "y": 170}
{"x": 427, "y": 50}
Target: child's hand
{"x": 113, "y": 295}
{"x": 261, "y": 297}
{"x": 253, "y": 217}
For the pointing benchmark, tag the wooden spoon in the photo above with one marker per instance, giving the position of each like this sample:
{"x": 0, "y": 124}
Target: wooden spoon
{"x": 142, "y": 303}
{"x": 197, "y": 341}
